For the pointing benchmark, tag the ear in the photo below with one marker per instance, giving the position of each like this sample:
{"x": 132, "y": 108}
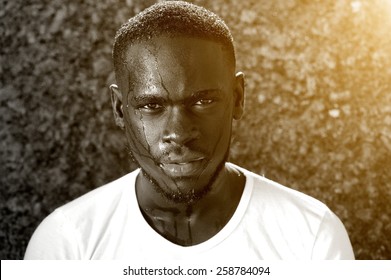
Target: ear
{"x": 238, "y": 96}
{"x": 116, "y": 102}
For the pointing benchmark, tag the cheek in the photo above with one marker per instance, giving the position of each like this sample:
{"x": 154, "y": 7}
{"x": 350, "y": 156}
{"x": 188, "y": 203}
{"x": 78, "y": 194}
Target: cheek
{"x": 217, "y": 131}
{"x": 143, "y": 136}
{"x": 151, "y": 133}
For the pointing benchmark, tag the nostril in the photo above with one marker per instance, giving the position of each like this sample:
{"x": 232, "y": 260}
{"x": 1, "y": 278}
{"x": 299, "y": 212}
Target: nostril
{"x": 180, "y": 137}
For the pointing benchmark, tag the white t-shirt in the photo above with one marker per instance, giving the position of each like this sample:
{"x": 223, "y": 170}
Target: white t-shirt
{"x": 271, "y": 222}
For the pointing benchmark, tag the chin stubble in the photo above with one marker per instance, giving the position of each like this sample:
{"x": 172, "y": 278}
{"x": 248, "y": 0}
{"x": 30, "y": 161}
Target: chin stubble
{"x": 189, "y": 197}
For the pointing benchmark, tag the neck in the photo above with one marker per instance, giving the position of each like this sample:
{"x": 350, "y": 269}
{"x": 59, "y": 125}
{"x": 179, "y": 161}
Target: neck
{"x": 195, "y": 221}
{"x": 150, "y": 195}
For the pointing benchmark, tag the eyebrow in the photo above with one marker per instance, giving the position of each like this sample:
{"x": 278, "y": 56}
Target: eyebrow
{"x": 155, "y": 98}
{"x": 148, "y": 98}
{"x": 207, "y": 92}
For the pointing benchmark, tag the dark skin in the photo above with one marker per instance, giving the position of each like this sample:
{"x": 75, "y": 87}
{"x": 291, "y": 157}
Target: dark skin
{"x": 176, "y": 99}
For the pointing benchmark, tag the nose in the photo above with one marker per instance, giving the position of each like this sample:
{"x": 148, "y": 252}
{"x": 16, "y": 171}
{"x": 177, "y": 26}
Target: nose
{"x": 180, "y": 127}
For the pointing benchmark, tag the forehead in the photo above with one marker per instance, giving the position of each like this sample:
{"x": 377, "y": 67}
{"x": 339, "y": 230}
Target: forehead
{"x": 180, "y": 47}
{"x": 183, "y": 61}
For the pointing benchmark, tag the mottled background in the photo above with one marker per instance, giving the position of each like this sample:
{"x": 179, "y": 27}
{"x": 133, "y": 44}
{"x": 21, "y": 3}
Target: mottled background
{"x": 318, "y": 106}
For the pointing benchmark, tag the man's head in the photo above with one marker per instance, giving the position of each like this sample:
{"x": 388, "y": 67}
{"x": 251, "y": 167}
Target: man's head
{"x": 177, "y": 94}
{"x": 172, "y": 19}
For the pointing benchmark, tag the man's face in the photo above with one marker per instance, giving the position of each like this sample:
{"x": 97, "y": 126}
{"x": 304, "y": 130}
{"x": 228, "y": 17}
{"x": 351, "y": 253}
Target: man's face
{"x": 179, "y": 97}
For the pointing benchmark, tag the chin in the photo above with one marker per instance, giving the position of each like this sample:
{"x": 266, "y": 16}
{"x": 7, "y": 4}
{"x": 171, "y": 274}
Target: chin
{"x": 189, "y": 189}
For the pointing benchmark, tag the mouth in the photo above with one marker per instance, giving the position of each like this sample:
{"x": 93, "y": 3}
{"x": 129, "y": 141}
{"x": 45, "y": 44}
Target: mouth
{"x": 183, "y": 168}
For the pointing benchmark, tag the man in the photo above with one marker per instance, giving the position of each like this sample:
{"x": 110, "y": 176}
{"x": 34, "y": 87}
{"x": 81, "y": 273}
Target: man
{"x": 177, "y": 93}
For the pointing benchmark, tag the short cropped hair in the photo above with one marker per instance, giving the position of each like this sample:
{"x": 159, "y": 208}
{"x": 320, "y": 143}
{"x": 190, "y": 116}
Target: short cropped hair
{"x": 171, "y": 18}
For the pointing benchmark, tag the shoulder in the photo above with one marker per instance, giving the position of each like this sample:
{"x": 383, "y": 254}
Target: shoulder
{"x": 102, "y": 197}
{"x": 268, "y": 193}
{"x": 283, "y": 209}
{"x": 77, "y": 224}
{"x": 297, "y": 224}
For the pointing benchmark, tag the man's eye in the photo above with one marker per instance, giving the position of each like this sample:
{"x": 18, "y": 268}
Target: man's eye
{"x": 152, "y": 106}
{"x": 204, "y": 102}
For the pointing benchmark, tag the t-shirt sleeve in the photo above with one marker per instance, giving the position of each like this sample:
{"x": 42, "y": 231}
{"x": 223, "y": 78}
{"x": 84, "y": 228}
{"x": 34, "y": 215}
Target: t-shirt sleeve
{"x": 332, "y": 241}
{"x": 54, "y": 239}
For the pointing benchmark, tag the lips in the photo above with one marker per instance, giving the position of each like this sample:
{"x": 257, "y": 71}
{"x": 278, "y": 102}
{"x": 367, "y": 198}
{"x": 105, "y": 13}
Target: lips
{"x": 183, "y": 168}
